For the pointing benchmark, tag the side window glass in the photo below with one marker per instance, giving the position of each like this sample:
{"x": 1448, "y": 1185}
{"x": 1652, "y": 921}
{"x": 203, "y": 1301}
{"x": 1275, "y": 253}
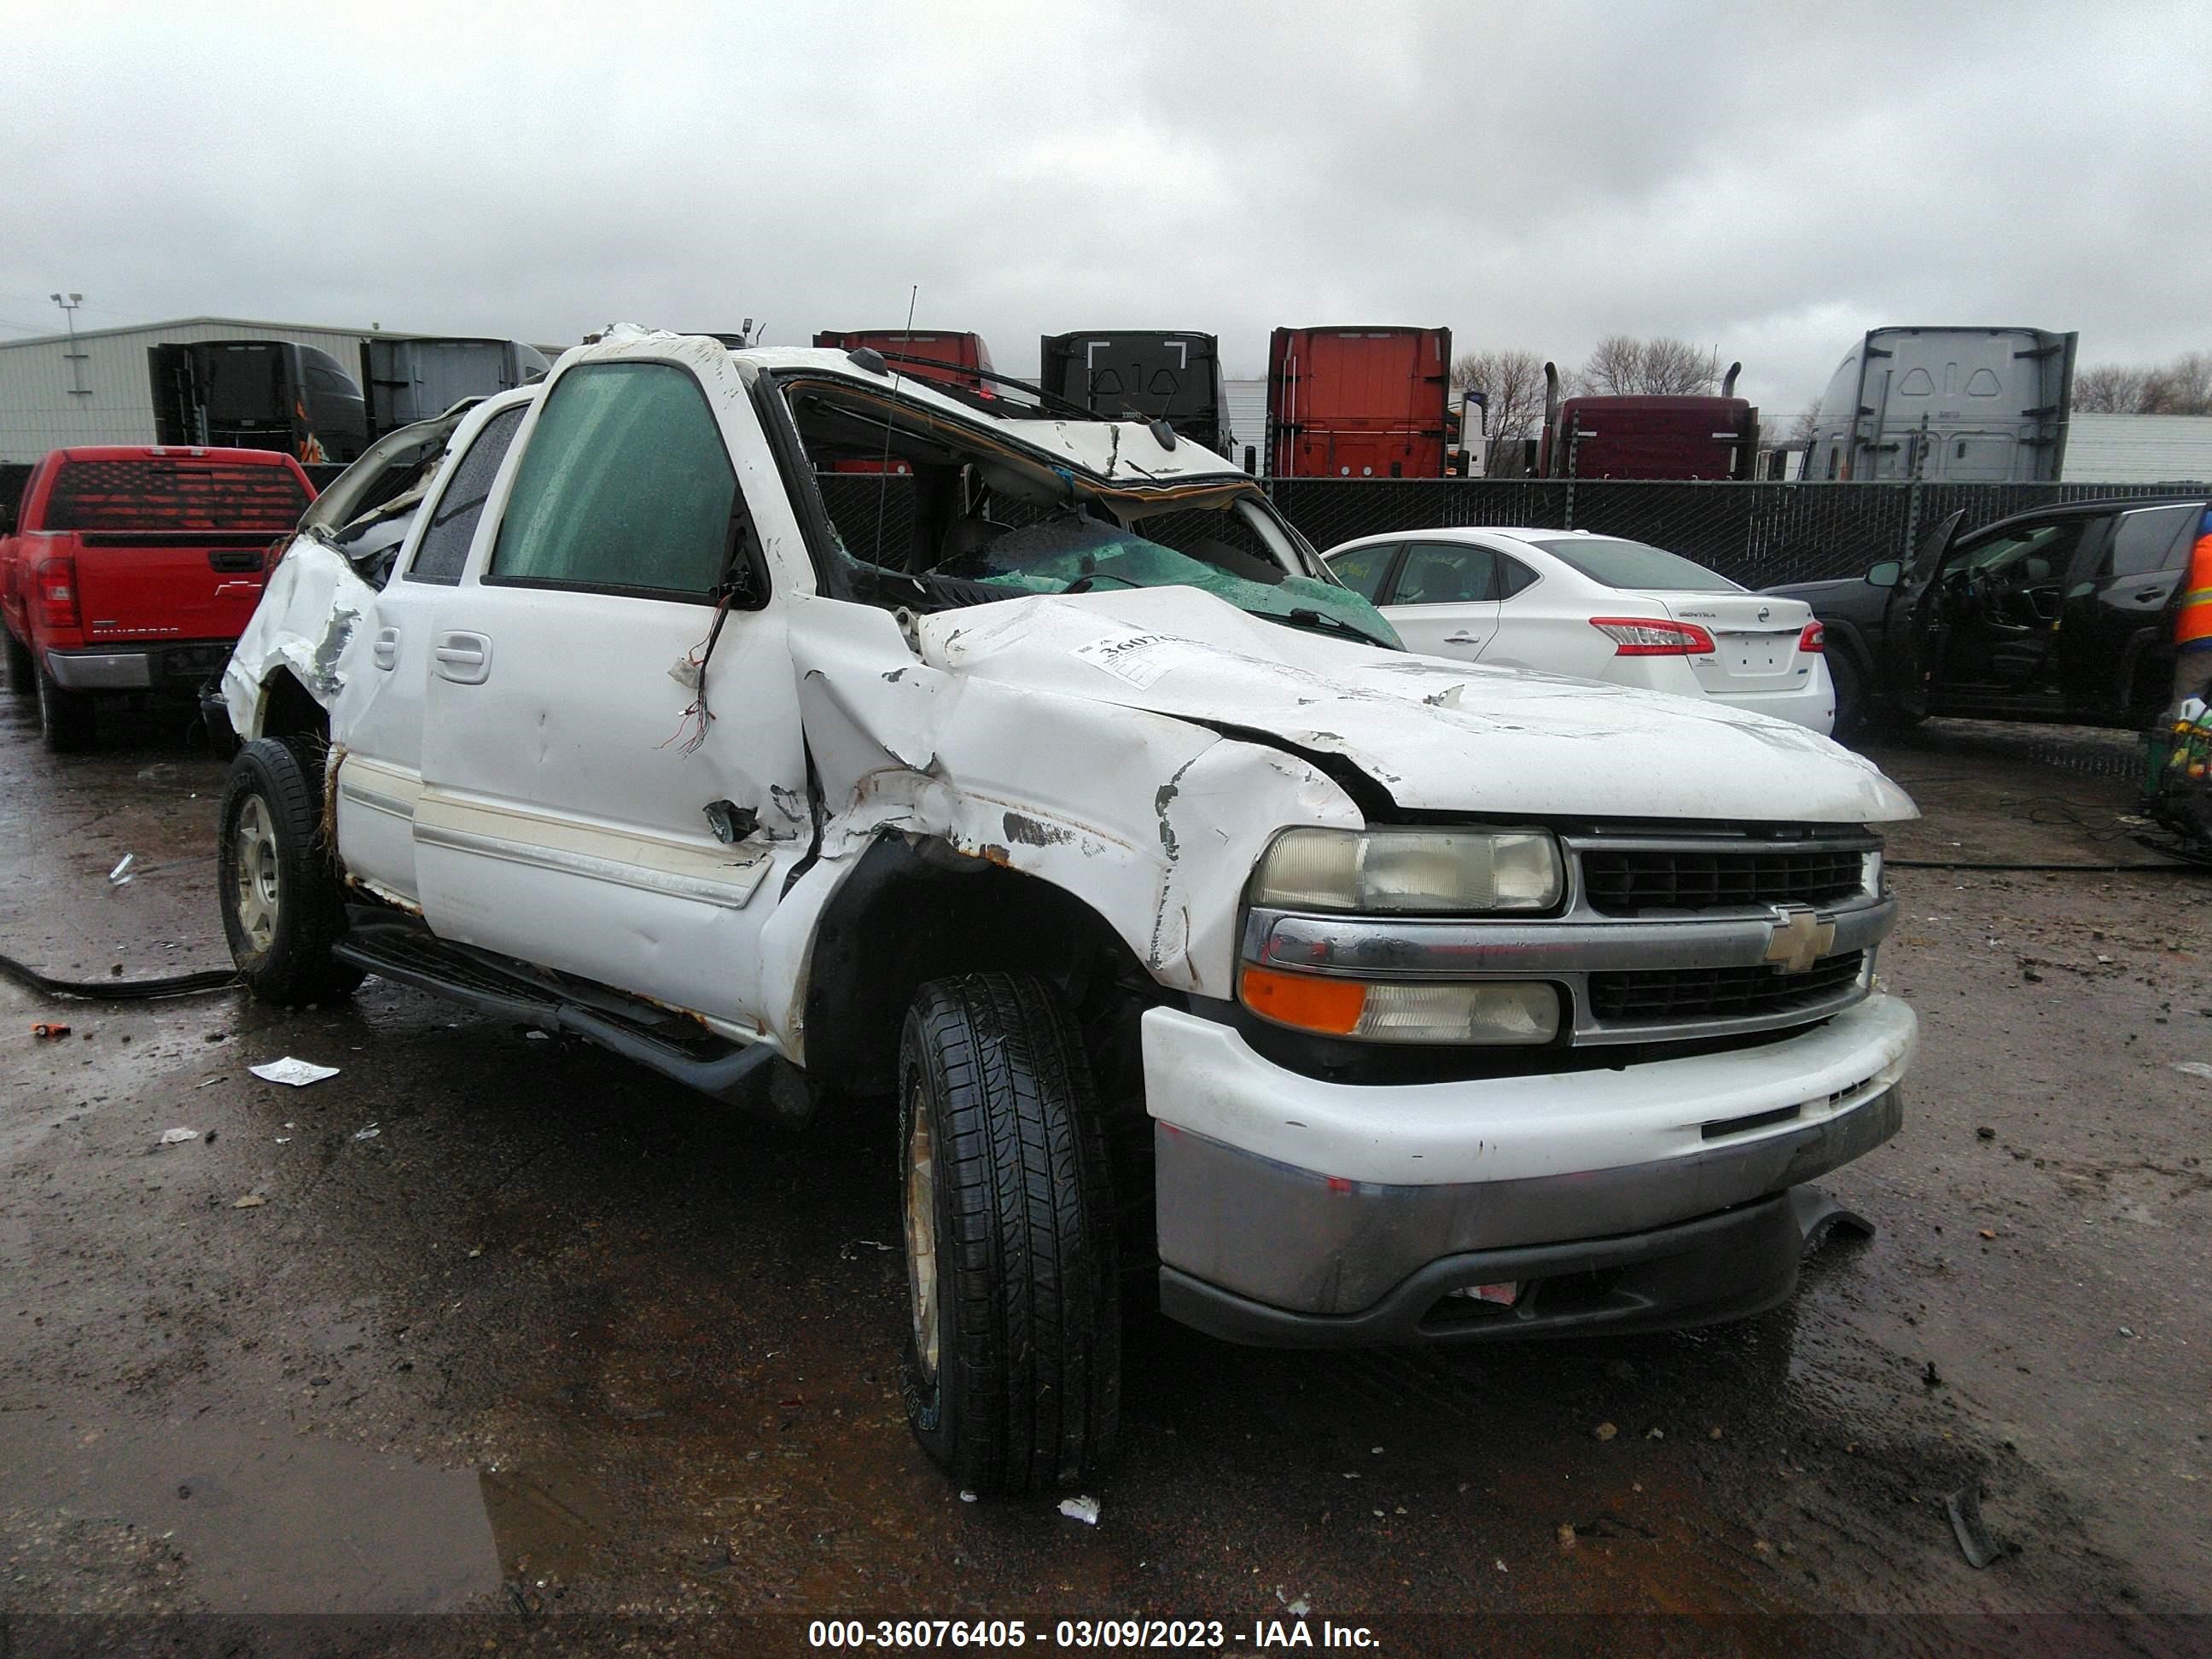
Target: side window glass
{"x": 1515, "y": 575}
{"x": 445, "y": 545}
{"x": 2151, "y": 539}
{"x": 625, "y": 486}
{"x": 1362, "y": 569}
{"x": 1447, "y": 572}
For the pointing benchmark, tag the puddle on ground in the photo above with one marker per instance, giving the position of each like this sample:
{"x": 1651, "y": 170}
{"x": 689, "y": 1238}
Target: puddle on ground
{"x": 269, "y": 1522}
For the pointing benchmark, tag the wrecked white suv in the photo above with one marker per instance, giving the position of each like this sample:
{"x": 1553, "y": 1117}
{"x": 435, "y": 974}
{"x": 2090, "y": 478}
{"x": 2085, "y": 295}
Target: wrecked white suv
{"x": 793, "y": 725}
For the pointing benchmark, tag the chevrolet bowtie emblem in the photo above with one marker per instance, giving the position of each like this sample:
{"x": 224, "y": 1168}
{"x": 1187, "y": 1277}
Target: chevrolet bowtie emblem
{"x": 1801, "y": 938}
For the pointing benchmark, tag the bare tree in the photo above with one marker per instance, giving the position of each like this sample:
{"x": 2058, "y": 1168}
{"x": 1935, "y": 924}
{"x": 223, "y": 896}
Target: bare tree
{"x": 1807, "y": 426}
{"x": 1620, "y": 365}
{"x": 2183, "y": 386}
{"x": 1614, "y": 367}
{"x": 2109, "y": 389}
{"x": 1512, "y": 383}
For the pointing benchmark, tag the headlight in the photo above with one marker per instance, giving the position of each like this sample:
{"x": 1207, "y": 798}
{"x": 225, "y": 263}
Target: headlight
{"x": 1505, "y": 1012}
{"x": 1442, "y": 871}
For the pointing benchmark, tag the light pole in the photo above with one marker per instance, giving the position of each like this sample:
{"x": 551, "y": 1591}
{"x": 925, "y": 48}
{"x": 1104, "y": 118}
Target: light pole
{"x": 69, "y": 305}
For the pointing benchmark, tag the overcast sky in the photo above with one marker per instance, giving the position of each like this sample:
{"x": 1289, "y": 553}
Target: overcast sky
{"x": 1769, "y": 179}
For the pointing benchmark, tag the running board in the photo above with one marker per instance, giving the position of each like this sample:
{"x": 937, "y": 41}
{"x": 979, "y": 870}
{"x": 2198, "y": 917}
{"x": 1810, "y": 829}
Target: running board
{"x": 744, "y": 1075}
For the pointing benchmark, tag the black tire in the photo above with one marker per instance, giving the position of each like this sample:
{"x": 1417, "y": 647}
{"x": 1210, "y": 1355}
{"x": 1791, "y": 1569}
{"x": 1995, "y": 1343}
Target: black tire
{"x": 1850, "y": 694}
{"x": 66, "y": 720}
{"x": 1020, "y": 1390}
{"x": 22, "y": 669}
{"x": 282, "y": 907}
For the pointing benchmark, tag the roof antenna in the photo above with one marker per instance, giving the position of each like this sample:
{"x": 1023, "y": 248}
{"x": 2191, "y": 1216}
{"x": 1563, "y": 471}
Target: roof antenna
{"x": 884, "y": 474}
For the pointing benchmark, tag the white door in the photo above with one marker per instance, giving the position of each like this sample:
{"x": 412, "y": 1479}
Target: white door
{"x": 574, "y": 771}
{"x": 1445, "y": 600}
{"x": 380, "y": 752}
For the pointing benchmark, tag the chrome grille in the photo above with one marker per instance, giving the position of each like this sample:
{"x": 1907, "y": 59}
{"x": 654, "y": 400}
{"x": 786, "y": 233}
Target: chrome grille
{"x": 1625, "y": 881}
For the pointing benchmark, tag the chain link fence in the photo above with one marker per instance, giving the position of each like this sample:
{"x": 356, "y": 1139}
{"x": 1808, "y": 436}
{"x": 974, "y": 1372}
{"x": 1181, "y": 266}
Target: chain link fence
{"x": 1758, "y": 534}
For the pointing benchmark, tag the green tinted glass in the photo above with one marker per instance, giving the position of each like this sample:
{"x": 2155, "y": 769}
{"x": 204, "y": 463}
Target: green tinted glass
{"x": 625, "y": 484}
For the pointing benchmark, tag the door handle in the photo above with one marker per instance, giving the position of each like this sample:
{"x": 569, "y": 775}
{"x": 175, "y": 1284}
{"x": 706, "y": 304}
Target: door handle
{"x": 385, "y": 649}
{"x": 2144, "y": 595}
{"x": 464, "y": 659}
{"x": 1461, "y": 639}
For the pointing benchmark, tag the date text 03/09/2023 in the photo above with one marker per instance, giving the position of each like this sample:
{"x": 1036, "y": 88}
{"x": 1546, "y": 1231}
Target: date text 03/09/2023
{"x": 1202, "y": 1635}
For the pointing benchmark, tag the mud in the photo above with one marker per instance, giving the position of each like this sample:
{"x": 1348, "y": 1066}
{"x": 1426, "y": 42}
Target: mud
{"x": 561, "y": 1338}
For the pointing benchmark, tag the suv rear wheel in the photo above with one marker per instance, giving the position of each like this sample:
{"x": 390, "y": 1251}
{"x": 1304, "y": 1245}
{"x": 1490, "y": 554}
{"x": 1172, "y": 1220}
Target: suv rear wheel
{"x": 1012, "y": 1376}
{"x": 282, "y": 907}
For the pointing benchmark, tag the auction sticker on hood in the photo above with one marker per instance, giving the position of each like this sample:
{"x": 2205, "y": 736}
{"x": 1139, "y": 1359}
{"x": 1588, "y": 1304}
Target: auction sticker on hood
{"x": 1140, "y": 659}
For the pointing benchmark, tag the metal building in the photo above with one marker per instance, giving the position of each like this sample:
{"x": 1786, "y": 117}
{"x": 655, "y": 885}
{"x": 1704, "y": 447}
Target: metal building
{"x": 1245, "y": 415}
{"x": 97, "y": 389}
{"x": 2140, "y": 449}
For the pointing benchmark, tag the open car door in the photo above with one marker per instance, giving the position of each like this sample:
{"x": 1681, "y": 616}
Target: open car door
{"x": 1915, "y": 622}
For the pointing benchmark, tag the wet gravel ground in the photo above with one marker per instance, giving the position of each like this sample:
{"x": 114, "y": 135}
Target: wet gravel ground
{"x": 493, "y": 1325}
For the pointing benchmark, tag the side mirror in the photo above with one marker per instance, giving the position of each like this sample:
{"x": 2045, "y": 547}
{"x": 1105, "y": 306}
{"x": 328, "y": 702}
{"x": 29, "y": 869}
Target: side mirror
{"x": 1887, "y": 573}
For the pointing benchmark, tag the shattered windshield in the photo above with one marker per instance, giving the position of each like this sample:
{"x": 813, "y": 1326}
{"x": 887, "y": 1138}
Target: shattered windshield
{"x": 927, "y": 513}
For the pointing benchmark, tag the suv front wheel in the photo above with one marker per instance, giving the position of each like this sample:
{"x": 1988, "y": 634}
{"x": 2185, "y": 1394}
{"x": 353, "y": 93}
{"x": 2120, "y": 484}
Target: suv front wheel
{"x": 282, "y": 907}
{"x": 1013, "y": 1377}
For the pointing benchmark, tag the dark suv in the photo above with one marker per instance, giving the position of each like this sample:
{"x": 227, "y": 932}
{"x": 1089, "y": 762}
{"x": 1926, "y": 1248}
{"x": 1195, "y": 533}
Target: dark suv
{"x": 2066, "y": 613}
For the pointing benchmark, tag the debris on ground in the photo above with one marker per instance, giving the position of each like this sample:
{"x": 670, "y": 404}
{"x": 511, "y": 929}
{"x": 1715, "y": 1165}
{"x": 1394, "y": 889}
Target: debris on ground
{"x": 120, "y": 875}
{"x": 1603, "y": 1431}
{"x": 298, "y": 1073}
{"x": 178, "y": 1136}
{"x": 1985, "y": 1132}
{"x": 967, "y": 1496}
{"x": 1965, "y": 1507}
{"x": 251, "y": 1201}
{"x": 368, "y": 1132}
{"x": 1085, "y": 1509}
{"x": 1931, "y": 1377}
{"x": 46, "y": 1029}
{"x": 2195, "y": 1068}
{"x": 1565, "y": 1535}
{"x": 1988, "y": 1232}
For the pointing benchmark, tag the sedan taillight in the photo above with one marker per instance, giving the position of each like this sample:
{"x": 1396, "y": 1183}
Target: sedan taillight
{"x": 1814, "y": 640}
{"x": 1648, "y": 636}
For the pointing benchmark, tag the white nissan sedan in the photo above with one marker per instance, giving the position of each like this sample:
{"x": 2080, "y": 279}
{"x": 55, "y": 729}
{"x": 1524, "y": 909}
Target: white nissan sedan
{"x": 1596, "y": 607}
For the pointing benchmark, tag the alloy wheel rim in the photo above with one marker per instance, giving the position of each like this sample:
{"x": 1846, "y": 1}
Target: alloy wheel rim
{"x": 920, "y": 1204}
{"x": 253, "y": 845}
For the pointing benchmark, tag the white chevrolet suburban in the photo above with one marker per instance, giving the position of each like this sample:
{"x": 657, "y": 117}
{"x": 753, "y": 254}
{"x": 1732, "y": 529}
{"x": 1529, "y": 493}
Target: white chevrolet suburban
{"x": 797, "y": 726}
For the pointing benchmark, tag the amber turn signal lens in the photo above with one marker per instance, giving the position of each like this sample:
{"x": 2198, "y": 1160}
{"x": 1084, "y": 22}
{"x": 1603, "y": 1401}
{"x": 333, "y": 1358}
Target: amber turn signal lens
{"x": 1333, "y": 1005}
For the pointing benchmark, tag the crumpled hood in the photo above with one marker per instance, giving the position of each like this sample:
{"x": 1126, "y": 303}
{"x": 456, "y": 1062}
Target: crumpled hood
{"x": 1437, "y": 735}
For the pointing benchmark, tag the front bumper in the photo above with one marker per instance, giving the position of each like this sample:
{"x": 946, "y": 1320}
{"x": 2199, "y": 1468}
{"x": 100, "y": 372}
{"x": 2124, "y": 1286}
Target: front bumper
{"x": 1350, "y": 1205}
{"x": 171, "y": 667}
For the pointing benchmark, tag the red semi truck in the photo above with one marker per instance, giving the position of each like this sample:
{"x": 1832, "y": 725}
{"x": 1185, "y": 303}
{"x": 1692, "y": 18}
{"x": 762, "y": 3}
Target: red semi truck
{"x": 1359, "y": 403}
{"x": 135, "y": 570}
{"x": 1648, "y": 437}
{"x": 951, "y": 359}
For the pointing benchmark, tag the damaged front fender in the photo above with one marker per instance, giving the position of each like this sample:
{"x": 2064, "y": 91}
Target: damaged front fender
{"x": 1153, "y": 822}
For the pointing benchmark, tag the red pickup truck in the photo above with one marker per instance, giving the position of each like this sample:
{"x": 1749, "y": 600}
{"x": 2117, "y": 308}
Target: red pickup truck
{"x": 135, "y": 570}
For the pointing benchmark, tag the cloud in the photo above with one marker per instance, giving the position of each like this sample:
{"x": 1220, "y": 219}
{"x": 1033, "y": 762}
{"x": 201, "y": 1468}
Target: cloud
{"x": 1771, "y": 181}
